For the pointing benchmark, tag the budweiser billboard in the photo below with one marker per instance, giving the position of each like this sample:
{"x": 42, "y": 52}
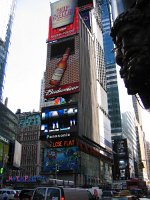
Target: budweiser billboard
{"x": 62, "y": 71}
{"x": 59, "y": 28}
{"x": 62, "y": 90}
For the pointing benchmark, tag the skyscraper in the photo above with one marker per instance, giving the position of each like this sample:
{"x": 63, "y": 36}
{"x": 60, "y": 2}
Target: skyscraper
{"x": 120, "y": 122}
{"x": 75, "y": 121}
{"x": 4, "y": 46}
{"x": 111, "y": 72}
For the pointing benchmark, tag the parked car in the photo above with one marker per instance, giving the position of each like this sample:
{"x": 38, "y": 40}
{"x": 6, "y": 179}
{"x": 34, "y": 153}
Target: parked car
{"x": 26, "y": 194}
{"x": 10, "y": 193}
{"x": 59, "y": 193}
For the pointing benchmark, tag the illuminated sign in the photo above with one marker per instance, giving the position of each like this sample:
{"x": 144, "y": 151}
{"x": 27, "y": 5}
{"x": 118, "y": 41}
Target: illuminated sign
{"x": 63, "y": 31}
{"x": 62, "y": 12}
{"x": 58, "y": 122}
{"x": 63, "y": 135}
{"x": 25, "y": 178}
{"x": 4, "y": 139}
{"x": 65, "y": 158}
{"x": 62, "y": 143}
{"x": 57, "y": 101}
{"x": 55, "y": 136}
{"x": 61, "y": 90}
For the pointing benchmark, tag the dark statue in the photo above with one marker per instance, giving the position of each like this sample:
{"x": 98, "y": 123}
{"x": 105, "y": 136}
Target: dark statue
{"x": 131, "y": 35}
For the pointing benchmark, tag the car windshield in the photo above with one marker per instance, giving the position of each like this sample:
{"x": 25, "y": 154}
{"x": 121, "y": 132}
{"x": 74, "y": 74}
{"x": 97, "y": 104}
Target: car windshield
{"x": 107, "y": 193}
{"x": 26, "y": 193}
{"x": 136, "y": 191}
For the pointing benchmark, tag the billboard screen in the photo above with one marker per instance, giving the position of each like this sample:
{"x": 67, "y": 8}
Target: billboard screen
{"x": 62, "y": 12}
{"x": 59, "y": 30}
{"x": 17, "y": 154}
{"x": 62, "y": 71}
{"x": 61, "y": 159}
{"x": 58, "y": 121}
{"x": 4, "y": 150}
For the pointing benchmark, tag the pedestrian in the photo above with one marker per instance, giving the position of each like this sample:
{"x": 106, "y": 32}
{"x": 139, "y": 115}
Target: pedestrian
{"x": 16, "y": 196}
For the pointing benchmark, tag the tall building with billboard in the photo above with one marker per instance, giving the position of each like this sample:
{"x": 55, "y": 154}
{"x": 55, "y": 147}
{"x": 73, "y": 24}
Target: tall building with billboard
{"x": 75, "y": 125}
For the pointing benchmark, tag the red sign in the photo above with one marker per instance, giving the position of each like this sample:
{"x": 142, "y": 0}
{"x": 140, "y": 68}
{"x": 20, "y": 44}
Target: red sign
{"x": 61, "y": 90}
{"x": 63, "y": 31}
{"x": 62, "y": 143}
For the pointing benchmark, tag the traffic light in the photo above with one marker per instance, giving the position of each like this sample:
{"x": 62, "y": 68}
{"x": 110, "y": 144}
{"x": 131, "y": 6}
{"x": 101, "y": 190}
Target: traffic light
{"x": 1, "y": 170}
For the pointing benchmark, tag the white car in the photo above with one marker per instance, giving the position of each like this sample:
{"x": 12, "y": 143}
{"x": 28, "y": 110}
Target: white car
{"x": 10, "y": 193}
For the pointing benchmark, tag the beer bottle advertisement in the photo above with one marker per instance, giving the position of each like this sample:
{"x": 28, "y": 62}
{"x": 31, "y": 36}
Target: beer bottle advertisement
{"x": 60, "y": 69}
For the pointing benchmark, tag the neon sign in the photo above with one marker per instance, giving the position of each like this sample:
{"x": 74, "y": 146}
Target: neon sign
{"x": 62, "y": 143}
{"x": 32, "y": 179}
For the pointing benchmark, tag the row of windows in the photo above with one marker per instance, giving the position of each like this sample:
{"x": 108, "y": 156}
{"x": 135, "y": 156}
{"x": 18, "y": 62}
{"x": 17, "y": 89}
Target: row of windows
{"x": 30, "y": 137}
{"x": 29, "y": 148}
{"x": 31, "y": 171}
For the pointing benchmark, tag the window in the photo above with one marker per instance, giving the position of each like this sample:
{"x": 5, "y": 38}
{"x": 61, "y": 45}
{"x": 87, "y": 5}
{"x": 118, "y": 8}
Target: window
{"x": 53, "y": 193}
{"x": 39, "y": 194}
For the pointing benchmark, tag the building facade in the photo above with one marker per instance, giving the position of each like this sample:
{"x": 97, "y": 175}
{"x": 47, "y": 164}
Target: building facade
{"x": 8, "y": 129}
{"x": 4, "y": 45}
{"x": 111, "y": 73}
{"x": 28, "y": 134}
{"x": 75, "y": 125}
{"x": 123, "y": 126}
{"x": 2, "y": 59}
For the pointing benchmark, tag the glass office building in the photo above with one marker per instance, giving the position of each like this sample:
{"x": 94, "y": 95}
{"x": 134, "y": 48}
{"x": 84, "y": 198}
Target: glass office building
{"x": 6, "y": 20}
{"x": 111, "y": 72}
{"x": 2, "y": 58}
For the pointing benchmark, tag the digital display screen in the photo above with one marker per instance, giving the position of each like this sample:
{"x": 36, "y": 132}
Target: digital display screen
{"x": 58, "y": 120}
{"x": 61, "y": 159}
{"x": 47, "y": 114}
{"x": 4, "y": 149}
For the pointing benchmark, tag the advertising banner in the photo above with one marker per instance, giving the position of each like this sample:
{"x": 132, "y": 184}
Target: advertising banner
{"x": 63, "y": 31}
{"x": 62, "y": 12}
{"x": 86, "y": 17}
{"x": 62, "y": 72}
{"x": 17, "y": 154}
{"x": 58, "y": 123}
{"x": 61, "y": 159}
{"x": 61, "y": 90}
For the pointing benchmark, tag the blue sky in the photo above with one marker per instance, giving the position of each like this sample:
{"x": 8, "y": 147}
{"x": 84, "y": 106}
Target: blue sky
{"x": 27, "y": 56}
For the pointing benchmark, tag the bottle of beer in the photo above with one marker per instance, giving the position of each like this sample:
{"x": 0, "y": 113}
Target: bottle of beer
{"x": 60, "y": 69}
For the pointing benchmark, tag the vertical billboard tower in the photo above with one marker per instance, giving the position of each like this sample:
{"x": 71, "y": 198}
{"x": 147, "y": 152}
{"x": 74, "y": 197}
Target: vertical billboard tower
{"x": 64, "y": 122}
